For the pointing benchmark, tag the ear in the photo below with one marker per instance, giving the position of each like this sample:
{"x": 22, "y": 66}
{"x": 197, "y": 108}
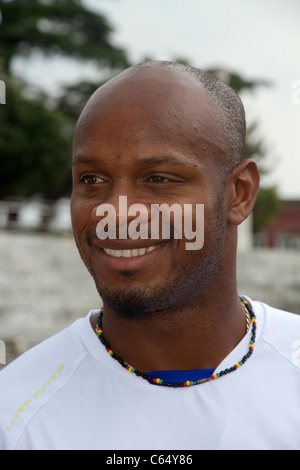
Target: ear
{"x": 242, "y": 189}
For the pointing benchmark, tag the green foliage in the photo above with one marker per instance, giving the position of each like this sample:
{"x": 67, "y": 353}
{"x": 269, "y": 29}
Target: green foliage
{"x": 35, "y": 147}
{"x": 236, "y": 81}
{"x": 36, "y": 138}
{"x": 74, "y": 97}
{"x": 267, "y": 206}
{"x": 56, "y": 27}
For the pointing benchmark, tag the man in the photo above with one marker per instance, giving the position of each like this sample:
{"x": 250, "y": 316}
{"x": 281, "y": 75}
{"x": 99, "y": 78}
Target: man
{"x": 175, "y": 359}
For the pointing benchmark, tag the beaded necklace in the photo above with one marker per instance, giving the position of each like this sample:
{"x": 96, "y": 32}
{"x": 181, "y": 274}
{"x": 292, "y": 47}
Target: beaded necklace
{"x": 250, "y": 319}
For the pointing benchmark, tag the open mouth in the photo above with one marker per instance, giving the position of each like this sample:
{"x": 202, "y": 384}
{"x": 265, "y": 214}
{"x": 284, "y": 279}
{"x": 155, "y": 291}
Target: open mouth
{"x": 132, "y": 255}
{"x": 129, "y": 253}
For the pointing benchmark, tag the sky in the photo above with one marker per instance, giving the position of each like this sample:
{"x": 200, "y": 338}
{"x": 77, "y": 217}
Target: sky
{"x": 259, "y": 39}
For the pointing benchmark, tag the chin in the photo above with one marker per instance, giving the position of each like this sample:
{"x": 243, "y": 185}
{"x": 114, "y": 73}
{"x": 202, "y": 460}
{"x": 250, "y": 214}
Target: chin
{"x": 132, "y": 304}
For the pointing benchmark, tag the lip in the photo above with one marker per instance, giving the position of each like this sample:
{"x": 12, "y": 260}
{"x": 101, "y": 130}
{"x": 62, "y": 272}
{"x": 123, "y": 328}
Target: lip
{"x": 128, "y": 264}
{"x": 128, "y": 244}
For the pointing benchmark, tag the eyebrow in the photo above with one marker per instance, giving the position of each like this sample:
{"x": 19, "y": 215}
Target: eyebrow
{"x": 158, "y": 160}
{"x": 83, "y": 160}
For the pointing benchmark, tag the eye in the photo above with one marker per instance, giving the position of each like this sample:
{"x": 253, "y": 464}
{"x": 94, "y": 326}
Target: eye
{"x": 91, "y": 179}
{"x": 159, "y": 179}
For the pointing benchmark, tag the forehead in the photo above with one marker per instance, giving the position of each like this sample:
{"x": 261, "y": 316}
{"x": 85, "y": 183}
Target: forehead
{"x": 156, "y": 105}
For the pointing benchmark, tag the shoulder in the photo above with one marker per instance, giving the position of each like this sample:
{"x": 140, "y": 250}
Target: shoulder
{"x": 280, "y": 330}
{"x": 34, "y": 378}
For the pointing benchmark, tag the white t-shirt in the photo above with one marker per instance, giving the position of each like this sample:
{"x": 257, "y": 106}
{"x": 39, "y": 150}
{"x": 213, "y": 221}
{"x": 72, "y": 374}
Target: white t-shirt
{"x": 69, "y": 393}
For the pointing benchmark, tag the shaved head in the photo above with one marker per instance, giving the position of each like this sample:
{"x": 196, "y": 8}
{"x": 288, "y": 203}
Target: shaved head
{"x": 228, "y": 104}
{"x": 229, "y": 130}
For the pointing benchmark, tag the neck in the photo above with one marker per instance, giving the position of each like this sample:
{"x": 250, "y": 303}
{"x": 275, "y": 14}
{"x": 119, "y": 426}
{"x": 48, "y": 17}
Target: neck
{"x": 194, "y": 336}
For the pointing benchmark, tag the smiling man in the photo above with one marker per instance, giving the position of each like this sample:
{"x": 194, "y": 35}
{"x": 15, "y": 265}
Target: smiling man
{"x": 174, "y": 359}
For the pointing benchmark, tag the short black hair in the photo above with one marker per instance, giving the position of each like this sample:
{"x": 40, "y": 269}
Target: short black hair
{"x": 230, "y": 108}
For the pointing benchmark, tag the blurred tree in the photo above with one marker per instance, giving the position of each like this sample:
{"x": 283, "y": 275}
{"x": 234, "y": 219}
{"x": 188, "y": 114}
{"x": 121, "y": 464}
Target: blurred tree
{"x": 267, "y": 205}
{"x": 35, "y": 147}
{"x": 74, "y": 97}
{"x": 236, "y": 81}
{"x": 56, "y": 27}
{"x": 35, "y": 132}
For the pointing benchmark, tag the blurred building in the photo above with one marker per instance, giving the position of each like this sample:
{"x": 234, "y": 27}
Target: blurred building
{"x": 36, "y": 215}
{"x": 284, "y": 233}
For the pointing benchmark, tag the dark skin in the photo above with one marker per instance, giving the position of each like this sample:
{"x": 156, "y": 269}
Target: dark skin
{"x": 162, "y": 147}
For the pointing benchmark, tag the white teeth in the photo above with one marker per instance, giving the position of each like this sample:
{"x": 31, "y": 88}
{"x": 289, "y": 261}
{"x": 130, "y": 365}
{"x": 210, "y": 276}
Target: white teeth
{"x": 128, "y": 253}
